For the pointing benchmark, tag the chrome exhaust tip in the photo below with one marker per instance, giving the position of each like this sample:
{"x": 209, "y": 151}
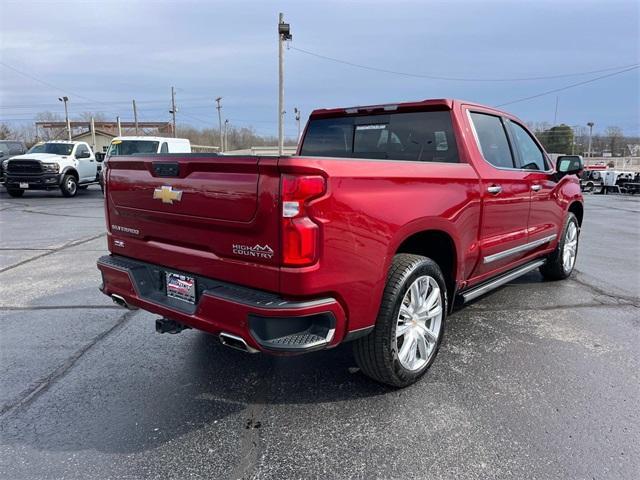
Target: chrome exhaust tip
{"x": 120, "y": 301}
{"x": 236, "y": 342}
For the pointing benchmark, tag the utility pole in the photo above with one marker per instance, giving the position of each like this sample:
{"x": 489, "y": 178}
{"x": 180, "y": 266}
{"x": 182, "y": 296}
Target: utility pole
{"x": 297, "y": 112}
{"x": 590, "y": 125}
{"x": 173, "y": 110}
{"x": 226, "y": 135}
{"x": 93, "y": 135}
{"x": 135, "y": 116}
{"x": 284, "y": 34}
{"x": 66, "y": 116}
{"x": 219, "y": 108}
{"x": 555, "y": 115}
{"x": 119, "y": 126}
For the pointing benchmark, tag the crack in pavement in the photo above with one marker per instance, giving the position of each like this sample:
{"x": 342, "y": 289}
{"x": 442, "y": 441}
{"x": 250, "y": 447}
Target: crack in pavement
{"x": 70, "y": 244}
{"x": 43, "y": 385}
{"x": 27, "y": 308}
{"x": 549, "y": 308}
{"x": 250, "y": 438}
{"x": 60, "y": 214}
{"x": 601, "y": 291}
{"x": 25, "y": 249}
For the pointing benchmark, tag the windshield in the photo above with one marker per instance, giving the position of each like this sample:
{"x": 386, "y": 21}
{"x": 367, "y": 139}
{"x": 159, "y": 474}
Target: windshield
{"x": 54, "y": 148}
{"x": 132, "y": 147}
{"x": 416, "y": 136}
{"x": 4, "y": 148}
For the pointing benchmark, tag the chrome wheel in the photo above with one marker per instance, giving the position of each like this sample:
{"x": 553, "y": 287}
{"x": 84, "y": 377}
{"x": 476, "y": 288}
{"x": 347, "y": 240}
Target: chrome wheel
{"x": 570, "y": 247}
{"x": 419, "y": 323}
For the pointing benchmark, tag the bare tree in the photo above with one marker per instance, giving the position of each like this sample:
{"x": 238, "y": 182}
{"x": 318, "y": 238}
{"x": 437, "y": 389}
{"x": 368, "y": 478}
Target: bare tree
{"x": 5, "y": 132}
{"x": 614, "y": 138}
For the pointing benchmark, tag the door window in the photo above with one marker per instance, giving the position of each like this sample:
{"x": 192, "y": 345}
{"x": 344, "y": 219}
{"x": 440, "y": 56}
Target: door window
{"x": 531, "y": 156}
{"x": 81, "y": 150}
{"x": 164, "y": 148}
{"x": 492, "y": 140}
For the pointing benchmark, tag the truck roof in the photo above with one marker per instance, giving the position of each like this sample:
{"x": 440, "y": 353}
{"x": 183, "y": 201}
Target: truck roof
{"x": 436, "y": 103}
{"x": 151, "y": 139}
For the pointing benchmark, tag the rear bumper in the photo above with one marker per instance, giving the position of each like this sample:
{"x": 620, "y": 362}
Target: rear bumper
{"x": 265, "y": 321}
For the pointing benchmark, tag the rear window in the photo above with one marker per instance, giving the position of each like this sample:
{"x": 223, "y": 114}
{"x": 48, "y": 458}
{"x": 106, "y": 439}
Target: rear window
{"x": 419, "y": 136}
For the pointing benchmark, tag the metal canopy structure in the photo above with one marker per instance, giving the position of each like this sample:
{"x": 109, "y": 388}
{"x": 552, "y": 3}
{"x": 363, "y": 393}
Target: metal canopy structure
{"x": 58, "y": 129}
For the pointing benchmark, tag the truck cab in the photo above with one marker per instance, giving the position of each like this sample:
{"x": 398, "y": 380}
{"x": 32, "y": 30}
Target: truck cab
{"x": 57, "y": 164}
{"x": 139, "y": 145}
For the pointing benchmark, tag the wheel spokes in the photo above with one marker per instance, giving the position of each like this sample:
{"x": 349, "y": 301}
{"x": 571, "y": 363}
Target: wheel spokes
{"x": 418, "y": 323}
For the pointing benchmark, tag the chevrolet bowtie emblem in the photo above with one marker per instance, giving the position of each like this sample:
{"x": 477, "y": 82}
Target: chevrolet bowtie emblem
{"x": 167, "y": 194}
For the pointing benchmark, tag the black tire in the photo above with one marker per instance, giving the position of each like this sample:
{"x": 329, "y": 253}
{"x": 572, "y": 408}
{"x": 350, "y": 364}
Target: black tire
{"x": 377, "y": 353}
{"x": 15, "y": 192}
{"x": 69, "y": 185}
{"x": 554, "y": 268}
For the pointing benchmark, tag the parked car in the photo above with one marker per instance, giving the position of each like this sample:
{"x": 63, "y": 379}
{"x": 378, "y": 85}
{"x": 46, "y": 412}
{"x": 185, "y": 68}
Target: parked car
{"x": 52, "y": 165}
{"x": 124, "y": 146}
{"x": 8, "y": 149}
{"x": 386, "y": 218}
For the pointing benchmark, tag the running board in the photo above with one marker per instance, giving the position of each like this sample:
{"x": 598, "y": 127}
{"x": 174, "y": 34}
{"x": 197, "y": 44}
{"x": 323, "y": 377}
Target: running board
{"x": 483, "y": 288}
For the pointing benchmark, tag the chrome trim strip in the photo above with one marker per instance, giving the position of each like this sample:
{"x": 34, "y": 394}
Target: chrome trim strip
{"x": 518, "y": 249}
{"x": 478, "y": 291}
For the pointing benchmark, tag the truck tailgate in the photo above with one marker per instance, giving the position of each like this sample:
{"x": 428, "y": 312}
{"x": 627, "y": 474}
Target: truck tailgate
{"x": 211, "y": 215}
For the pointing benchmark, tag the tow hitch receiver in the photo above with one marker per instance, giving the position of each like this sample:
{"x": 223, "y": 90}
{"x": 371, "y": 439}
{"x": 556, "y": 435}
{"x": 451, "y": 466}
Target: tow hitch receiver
{"x": 166, "y": 325}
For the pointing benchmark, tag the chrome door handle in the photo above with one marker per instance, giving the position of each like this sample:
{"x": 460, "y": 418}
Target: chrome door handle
{"x": 536, "y": 188}
{"x": 494, "y": 189}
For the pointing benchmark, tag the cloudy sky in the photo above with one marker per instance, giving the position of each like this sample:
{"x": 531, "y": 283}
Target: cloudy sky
{"x": 104, "y": 53}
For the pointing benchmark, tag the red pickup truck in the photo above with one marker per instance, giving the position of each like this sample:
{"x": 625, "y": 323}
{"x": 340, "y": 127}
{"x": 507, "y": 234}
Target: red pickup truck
{"x": 386, "y": 218}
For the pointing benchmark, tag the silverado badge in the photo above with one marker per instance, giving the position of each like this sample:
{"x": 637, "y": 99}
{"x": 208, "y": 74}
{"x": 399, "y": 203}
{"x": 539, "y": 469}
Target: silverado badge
{"x": 167, "y": 194}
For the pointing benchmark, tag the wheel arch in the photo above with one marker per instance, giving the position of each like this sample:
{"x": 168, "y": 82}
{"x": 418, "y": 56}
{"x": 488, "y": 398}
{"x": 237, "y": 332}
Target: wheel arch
{"x": 578, "y": 210}
{"x": 440, "y": 247}
{"x": 70, "y": 170}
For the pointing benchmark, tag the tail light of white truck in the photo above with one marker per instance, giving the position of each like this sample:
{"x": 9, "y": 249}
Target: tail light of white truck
{"x": 300, "y": 234}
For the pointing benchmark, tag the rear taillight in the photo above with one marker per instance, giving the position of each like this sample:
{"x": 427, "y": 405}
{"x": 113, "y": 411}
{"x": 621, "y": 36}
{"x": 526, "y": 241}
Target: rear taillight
{"x": 300, "y": 234}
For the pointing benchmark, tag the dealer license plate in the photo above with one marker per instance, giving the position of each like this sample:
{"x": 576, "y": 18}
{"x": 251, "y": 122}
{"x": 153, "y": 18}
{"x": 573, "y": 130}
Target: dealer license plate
{"x": 24, "y": 185}
{"x": 181, "y": 287}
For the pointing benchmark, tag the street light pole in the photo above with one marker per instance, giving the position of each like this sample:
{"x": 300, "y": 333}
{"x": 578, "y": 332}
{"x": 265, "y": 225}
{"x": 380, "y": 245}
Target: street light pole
{"x": 590, "y": 125}
{"x": 219, "y": 108}
{"x": 66, "y": 116}
{"x": 284, "y": 34}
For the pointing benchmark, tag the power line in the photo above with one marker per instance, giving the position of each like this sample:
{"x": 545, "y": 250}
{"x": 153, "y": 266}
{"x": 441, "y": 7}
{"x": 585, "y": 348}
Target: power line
{"x": 47, "y": 83}
{"x": 567, "y": 87}
{"x": 459, "y": 79}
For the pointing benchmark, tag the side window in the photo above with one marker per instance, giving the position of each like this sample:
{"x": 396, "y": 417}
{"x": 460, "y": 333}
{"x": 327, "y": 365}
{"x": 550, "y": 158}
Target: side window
{"x": 164, "y": 148}
{"x": 82, "y": 149}
{"x": 492, "y": 140}
{"x": 531, "y": 157}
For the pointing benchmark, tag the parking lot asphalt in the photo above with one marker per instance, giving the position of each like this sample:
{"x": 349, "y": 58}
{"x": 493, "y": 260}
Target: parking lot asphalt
{"x": 535, "y": 380}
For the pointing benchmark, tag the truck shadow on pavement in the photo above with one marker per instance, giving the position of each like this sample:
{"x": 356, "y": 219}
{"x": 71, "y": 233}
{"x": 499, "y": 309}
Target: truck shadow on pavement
{"x": 143, "y": 400}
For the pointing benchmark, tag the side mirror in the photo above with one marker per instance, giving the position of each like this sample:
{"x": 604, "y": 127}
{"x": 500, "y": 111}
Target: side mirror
{"x": 83, "y": 155}
{"x": 569, "y": 165}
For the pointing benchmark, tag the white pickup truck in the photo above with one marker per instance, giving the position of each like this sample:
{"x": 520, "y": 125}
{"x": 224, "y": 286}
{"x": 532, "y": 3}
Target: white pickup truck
{"x": 66, "y": 165}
